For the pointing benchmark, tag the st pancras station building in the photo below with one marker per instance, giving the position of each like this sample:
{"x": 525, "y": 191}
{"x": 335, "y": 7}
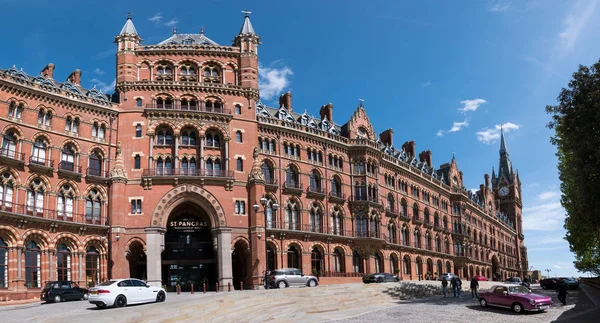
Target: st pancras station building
{"x": 183, "y": 176}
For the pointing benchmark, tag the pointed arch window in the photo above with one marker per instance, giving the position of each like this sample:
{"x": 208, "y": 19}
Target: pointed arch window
{"x": 65, "y": 201}
{"x": 38, "y": 155}
{"x": 292, "y": 177}
{"x": 35, "y": 196}
{"x": 15, "y": 111}
{"x": 293, "y": 257}
{"x": 9, "y": 144}
{"x": 292, "y": 216}
{"x": 33, "y": 277}
{"x": 361, "y": 225}
{"x": 95, "y": 164}
{"x": 44, "y": 118}
{"x": 416, "y": 212}
{"x": 374, "y": 226}
{"x": 93, "y": 207}
{"x": 337, "y": 221}
{"x": 6, "y": 190}
{"x": 267, "y": 172}
{"x": 338, "y": 261}
{"x": 63, "y": 262}
{"x": 357, "y": 263}
{"x": 336, "y": 187}
{"x": 92, "y": 267}
{"x": 315, "y": 219}
{"x": 3, "y": 264}
{"x": 315, "y": 181}
{"x": 67, "y": 158}
{"x": 405, "y": 236}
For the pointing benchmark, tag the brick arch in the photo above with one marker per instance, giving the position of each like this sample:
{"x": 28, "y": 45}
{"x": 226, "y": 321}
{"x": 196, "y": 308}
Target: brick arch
{"x": 99, "y": 148}
{"x": 152, "y": 127}
{"x": 10, "y": 235}
{"x": 45, "y": 135}
{"x": 36, "y": 235}
{"x": 17, "y": 102}
{"x": 187, "y": 124}
{"x": 13, "y": 172}
{"x": 188, "y": 60}
{"x": 320, "y": 246}
{"x": 69, "y": 239}
{"x": 296, "y": 243}
{"x": 347, "y": 251}
{"x": 100, "y": 190}
{"x": 132, "y": 240}
{"x": 239, "y": 239}
{"x": 72, "y": 142}
{"x": 94, "y": 241}
{"x": 213, "y": 97}
{"x": 207, "y": 127}
{"x": 16, "y": 128}
{"x": 296, "y": 200}
{"x": 188, "y": 193}
{"x": 43, "y": 178}
{"x": 212, "y": 61}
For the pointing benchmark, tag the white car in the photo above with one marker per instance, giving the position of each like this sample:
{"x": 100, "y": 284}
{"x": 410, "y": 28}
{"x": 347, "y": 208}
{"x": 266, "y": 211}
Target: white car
{"x": 448, "y": 276}
{"x": 121, "y": 292}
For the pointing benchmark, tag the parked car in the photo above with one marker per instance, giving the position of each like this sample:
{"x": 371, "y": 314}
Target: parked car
{"x": 448, "y": 276}
{"x": 64, "y": 290}
{"x": 123, "y": 292}
{"x": 516, "y": 297}
{"x": 514, "y": 280}
{"x": 380, "y": 278}
{"x": 549, "y": 283}
{"x": 481, "y": 278}
{"x": 572, "y": 283}
{"x": 288, "y": 277}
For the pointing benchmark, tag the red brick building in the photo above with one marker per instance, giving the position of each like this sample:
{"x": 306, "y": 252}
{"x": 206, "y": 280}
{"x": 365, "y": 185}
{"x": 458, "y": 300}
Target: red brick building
{"x": 183, "y": 176}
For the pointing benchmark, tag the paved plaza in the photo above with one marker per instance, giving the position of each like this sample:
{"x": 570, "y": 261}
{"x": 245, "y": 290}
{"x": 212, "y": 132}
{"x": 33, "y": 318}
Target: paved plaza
{"x": 347, "y": 303}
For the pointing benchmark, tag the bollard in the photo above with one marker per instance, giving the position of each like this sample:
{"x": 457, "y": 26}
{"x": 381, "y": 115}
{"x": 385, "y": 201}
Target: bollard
{"x": 204, "y": 287}
{"x": 229, "y": 287}
{"x": 241, "y": 285}
{"x": 217, "y": 287}
{"x": 178, "y": 289}
{"x": 192, "y": 288}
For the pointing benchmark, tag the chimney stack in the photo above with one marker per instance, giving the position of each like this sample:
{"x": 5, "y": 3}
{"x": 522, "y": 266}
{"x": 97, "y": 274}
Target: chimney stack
{"x": 425, "y": 156}
{"x": 327, "y": 111}
{"x": 285, "y": 100}
{"x": 75, "y": 78}
{"x": 410, "y": 147}
{"x": 387, "y": 137}
{"x": 487, "y": 180}
{"x": 48, "y": 71}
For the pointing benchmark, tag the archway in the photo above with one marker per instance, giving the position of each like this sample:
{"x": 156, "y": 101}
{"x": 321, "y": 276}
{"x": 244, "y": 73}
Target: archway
{"x": 448, "y": 267}
{"x": 419, "y": 268}
{"x": 429, "y": 269}
{"x": 394, "y": 264}
{"x": 137, "y": 260}
{"x": 189, "y": 257}
{"x": 495, "y": 269}
{"x": 240, "y": 262}
{"x": 471, "y": 272}
{"x": 316, "y": 261}
{"x": 440, "y": 269}
{"x": 378, "y": 263}
{"x": 271, "y": 257}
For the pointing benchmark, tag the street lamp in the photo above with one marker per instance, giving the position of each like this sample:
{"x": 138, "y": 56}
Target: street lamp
{"x": 548, "y": 271}
{"x": 264, "y": 202}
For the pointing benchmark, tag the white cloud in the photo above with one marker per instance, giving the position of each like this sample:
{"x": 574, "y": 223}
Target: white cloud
{"x": 172, "y": 23}
{"x": 457, "y": 126}
{"x": 575, "y": 22}
{"x": 426, "y": 84}
{"x": 551, "y": 195}
{"x": 553, "y": 240}
{"x": 157, "y": 18}
{"x": 499, "y": 5}
{"x": 556, "y": 266}
{"x": 471, "y": 105}
{"x": 99, "y": 71}
{"x": 106, "y": 88}
{"x": 491, "y": 135}
{"x": 544, "y": 217}
{"x": 440, "y": 133}
{"x": 272, "y": 80}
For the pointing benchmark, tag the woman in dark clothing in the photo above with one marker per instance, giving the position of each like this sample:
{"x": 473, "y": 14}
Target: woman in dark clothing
{"x": 562, "y": 293}
{"x": 444, "y": 286}
{"x": 474, "y": 287}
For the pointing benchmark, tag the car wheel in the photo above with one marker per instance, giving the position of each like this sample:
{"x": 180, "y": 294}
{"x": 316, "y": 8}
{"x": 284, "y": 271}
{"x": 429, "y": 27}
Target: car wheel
{"x": 517, "y": 308}
{"x": 85, "y": 296}
{"x": 121, "y": 301}
{"x": 100, "y": 305}
{"x": 312, "y": 283}
{"x": 160, "y": 297}
{"x": 483, "y": 302}
{"x": 57, "y": 299}
{"x": 380, "y": 280}
{"x": 282, "y": 284}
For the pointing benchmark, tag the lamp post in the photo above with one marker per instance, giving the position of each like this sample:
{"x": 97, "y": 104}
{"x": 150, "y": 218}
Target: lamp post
{"x": 264, "y": 202}
{"x": 548, "y": 272}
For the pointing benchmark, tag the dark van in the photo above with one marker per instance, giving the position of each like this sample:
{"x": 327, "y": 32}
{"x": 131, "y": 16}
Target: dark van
{"x": 58, "y": 291}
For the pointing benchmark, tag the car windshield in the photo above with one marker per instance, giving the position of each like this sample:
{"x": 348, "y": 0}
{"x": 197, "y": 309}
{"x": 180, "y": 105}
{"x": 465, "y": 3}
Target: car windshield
{"x": 518, "y": 290}
{"x": 50, "y": 285}
{"x": 107, "y": 283}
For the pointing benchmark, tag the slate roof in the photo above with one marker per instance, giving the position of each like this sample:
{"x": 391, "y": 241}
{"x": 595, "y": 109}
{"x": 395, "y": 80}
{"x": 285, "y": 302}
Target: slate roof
{"x": 247, "y": 26}
{"x": 188, "y": 39}
{"x": 128, "y": 28}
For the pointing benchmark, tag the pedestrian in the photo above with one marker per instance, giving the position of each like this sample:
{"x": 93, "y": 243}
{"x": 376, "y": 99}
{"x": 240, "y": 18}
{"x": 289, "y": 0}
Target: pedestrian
{"x": 453, "y": 284}
{"x": 444, "y": 286}
{"x": 474, "y": 287}
{"x": 458, "y": 286}
{"x": 562, "y": 292}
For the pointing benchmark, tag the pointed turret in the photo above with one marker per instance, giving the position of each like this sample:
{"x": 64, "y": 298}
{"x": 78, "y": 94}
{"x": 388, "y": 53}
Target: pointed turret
{"x": 505, "y": 169}
{"x": 247, "y": 39}
{"x": 248, "y": 42}
{"x": 128, "y": 28}
{"x": 247, "y": 26}
{"x": 127, "y": 40}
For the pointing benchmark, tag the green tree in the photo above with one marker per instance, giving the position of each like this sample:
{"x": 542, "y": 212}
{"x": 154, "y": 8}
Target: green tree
{"x": 576, "y": 121}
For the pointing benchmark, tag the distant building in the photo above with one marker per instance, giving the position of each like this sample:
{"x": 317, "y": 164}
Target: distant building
{"x": 161, "y": 181}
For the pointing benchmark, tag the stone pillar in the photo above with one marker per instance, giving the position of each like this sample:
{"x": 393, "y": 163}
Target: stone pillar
{"x": 19, "y": 263}
{"x": 155, "y": 243}
{"x": 223, "y": 247}
{"x": 51, "y": 275}
{"x": 227, "y": 155}
{"x": 176, "y": 159}
{"x": 202, "y": 138}
{"x": 81, "y": 256}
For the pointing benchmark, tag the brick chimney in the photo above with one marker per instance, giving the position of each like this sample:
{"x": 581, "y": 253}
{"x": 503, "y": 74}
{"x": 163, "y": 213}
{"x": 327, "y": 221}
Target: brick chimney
{"x": 285, "y": 100}
{"x": 75, "y": 77}
{"x": 48, "y": 71}
{"x": 487, "y": 180}
{"x": 425, "y": 156}
{"x": 410, "y": 147}
{"x": 387, "y": 137}
{"x": 326, "y": 111}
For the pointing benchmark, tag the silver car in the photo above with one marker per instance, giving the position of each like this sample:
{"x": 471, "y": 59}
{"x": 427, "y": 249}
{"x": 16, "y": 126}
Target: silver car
{"x": 448, "y": 276}
{"x": 288, "y": 277}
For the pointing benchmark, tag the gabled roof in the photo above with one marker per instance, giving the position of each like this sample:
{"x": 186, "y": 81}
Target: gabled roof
{"x": 129, "y": 28}
{"x": 188, "y": 39}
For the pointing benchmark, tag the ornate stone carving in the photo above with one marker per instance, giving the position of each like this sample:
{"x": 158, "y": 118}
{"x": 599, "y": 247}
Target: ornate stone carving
{"x": 256, "y": 176}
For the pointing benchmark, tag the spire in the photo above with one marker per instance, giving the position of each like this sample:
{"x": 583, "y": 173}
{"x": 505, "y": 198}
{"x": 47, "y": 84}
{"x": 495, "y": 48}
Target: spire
{"x": 502, "y": 142}
{"x": 493, "y": 172}
{"x": 505, "y": 168}
{"x": 247, "y": 26}
{"x": 128, "y": 28}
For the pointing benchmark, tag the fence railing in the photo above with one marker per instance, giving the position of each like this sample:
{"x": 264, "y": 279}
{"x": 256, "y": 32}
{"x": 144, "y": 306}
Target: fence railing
{"x": 52, "y": 214}
{"x": 166, "y": 172}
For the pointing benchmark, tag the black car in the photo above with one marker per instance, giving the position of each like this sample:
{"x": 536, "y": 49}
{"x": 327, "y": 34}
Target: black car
{"x": 549, "y": 283}
{"x": 58, "y": 291}
{"x": 380, "y": 278}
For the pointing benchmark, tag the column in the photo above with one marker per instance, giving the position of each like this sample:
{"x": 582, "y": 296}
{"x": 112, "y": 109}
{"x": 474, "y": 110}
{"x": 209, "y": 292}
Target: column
{"x": 80, "y": 257}
{"x": 175, "y": 73}
{"x": 227, "y": 155}
{"x": 224, "y": 255}
{"x": 199, "y": 69}
{"x": 51, "y": 274}
{"x": 151, "y": 73}
{"x": 155, "y": 243}
{"x": 19, "y": 263}
{"x": 223, "y": 75}
{"x": 176, "y": 159}
{"x": 138, "y": 72}
{"x": 201, "y": 138}
{"x": 150, "y": 158}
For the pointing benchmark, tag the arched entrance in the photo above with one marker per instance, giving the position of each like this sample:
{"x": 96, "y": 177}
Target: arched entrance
{"x": 240, "y": 261}
{"x": 394, "y": 265}
{"x": 271, "y": 257}
{"x": 137, "y": 260}
{"x": 440, "y": 269}
{"x": 495, "y": 269}
{"x": 419, "y": 268}
{"x": 430, "y": 270}
{"x": 448, "y": 267}
{"x": 316, "y": 261}
{"x": 189, "y": 257}
{"x": 406, "y": 264}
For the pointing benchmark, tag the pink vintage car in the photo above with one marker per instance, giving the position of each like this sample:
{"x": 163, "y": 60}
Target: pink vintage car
{"x": 516, "y": 297}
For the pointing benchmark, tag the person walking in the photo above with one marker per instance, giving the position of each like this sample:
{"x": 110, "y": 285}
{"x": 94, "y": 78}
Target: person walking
{"x": 458, "y": 286}
{"x": 474, "y": 287}
{"x": 444, "y": 286}
{"x": 453, "y": 284}
{"x": 562, "y": 292}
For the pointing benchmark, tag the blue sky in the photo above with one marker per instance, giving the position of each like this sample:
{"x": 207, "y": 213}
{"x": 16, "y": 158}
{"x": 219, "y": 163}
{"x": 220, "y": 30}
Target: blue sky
{"x": 446, "y": 74}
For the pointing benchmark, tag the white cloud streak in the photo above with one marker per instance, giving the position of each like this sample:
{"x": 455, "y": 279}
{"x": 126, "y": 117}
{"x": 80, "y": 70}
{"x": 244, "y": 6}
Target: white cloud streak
{"x": 440, "y": 133}
{"x": 491, "y": 135}
{"x": 551, "y": 195}
{"x": 99, "y": 71}
{"x": 106, "y": 88}
{"x": 575, "y": 23}
{"x": 172, "y": 23}
{"x": 426, "y": 84}
{"x": 471, "y": 105}
{"x": 157, "y": 18}
{"x": 457, "y": 126}
{"x": 272, "y": 80}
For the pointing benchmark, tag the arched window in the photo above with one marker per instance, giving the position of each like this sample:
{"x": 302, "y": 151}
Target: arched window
{"x": 44, "y": 118}
{"x": 392, "y": 233}
{"x": 67, "y": 158}
{"x": 417, "y": 239}
{"x": 292, "y": 179}
{"x": 390, "y": 203}
{"x": 293, "y": 257}
{"x": 337, "y": 222}
{"x": 15, "y": 111}
{"x": 436, "y": 220}
{"x": 374, "y": 226}
{"x": 406, "y": 265}
{"x": 168, "y": 166}
{"x": 404, "y": 209}
{"x": 6, "y": 190}
{"x": 72, "y": 124}
{"x": 138, "y": 102}
{"x": 405, "y": 236}
{"x": 95, "y": 162}
{"x": 416, "y": 212}
{"x": 338, "y": 261}
{"x": 33, "y": 277}
{"x": 138, "y": 131}
{"x": 438, "y": 244}
{"x": 92, "y": 267}
{"x": 357, "y": 263}
{"x": 238, "y": 109}
{"x": 216, "y": 141}
{"x": 267, "y": 172}
{"x": 240, "y": 164}
{"x": 428, "y": 244}
{"x": 238, "y": 136}
{"x": 63, "y": 262}
{"x": 292, "y": 216}
{"x": 426, "y": 216}
{"x": 39, "y": 151}
{"x": 93, "y": 207}
{"x": 361, "y": 225}
{"x": 209, "y": 167}
{"x": 315, "y": 181}
{"x": 271, "y": 213}
{"x": 185, "y": 164}
{"x": 65, "y": 200}
{"x": 315, "y": 219}
{"x": 316, "y": 261}
{"x": 35, "y": 196}
{"x": 336, "y": 187}
{"x": 378, "y": 264}
{"x": 9, "y": 144}
{"x": 3, "y": 264}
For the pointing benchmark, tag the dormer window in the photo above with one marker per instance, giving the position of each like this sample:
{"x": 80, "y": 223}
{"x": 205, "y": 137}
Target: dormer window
{"x": 188, "y": 41}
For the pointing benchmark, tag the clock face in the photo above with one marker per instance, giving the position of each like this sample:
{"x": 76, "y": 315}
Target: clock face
{"x": 503, "y": 191}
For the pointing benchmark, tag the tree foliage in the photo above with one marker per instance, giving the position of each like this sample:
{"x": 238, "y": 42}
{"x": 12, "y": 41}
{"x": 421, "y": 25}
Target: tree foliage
{"x": 576, "y": 121}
